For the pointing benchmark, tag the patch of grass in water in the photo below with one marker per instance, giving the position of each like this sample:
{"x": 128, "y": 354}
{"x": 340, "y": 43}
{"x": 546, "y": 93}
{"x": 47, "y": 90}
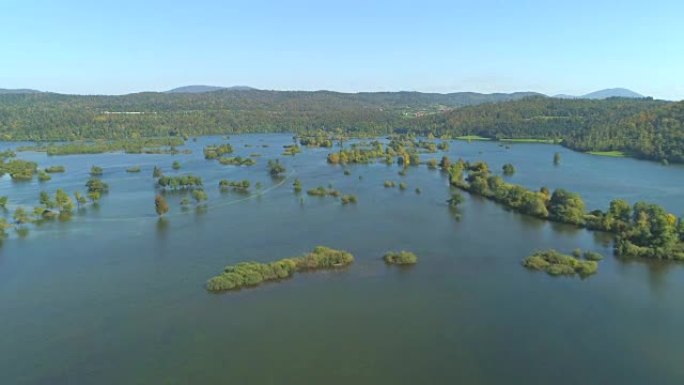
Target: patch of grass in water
{"x": 614, "y": 154}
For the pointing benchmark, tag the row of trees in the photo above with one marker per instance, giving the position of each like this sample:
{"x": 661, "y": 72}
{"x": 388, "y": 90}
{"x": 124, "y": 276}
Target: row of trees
{"x": 643, "y": 230}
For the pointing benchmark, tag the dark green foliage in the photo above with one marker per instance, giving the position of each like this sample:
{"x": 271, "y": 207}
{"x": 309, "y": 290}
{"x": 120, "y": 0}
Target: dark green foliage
{"x": 508, "y": 169}
{"x": 359, "y": 154}
{"x": 432, "y": 164}
{"x": 240, "y": 186}
{"x": 43, "y": 176}
{"x": 402, "y": 186}
{"x": 645, "y": 231}
{"x": 556, "y": 158}
{"x": 3, "y": 201}
{"x": 347, "y": 199}
{"x": 640, "y": 127}
{"x": 297, "y": 185}
{"x": 20, "y": 216}
{"x": 456, "y": 199}
{"x": 130, "y": 146}
{"x": 247, "y": 274}
{"x": 97, "y": 185}
{"x": 217, "y": 150}
{"x": 389, "y": 184}
{"x": 18, "y": 169}
{"x": 555, "y": 263}
{"x": 445, "y": 163}
{"x": 49, "y": 116}
{"x": 321, "y": 191}
{"x": 133, "y": 169}
{"x": 54, "y": 169}
{"x": 176, "y": 165}
{"x": 236, "y": 161}
{"x": 180, "y": 182}
{"x": 199, "y": 195}
{"x": 566, "y": 207}
{"x": 96, "y": 171}
{"x": 275, "y": 168}
{"x": 319, "y": 139}
{"x": 592, "y": 256}
{"x": 653, "y": 233}
{"x": 94, "y": 196}
{"x": 80, "y": 199}
{"x": 400, "y": 258}
{"x": 644, "y": 128}
{"x": 291, "y": 150}
{"x": 157, "y": 172}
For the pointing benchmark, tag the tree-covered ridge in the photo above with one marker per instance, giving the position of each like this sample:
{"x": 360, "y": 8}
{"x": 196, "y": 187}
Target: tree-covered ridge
{"x": 643, "y": 128}
{"x": 48, "y": 116}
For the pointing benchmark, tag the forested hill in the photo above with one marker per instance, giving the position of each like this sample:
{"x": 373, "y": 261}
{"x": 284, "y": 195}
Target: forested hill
{"x": 49, "y": 116}
{"x": 643, "y": 128}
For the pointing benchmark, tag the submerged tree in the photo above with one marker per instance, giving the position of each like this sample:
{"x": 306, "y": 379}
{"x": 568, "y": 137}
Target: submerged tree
{"x": 456, "y": 199}
{"x": 297, "y": 185}
{"x": 160, "y": 205}
{"x": 275, "y": 168}
{"x": 96, "y": 171}
{"x": 508, "y": 169}
{"x": 199, "y": 195}
{"x": 157, "y": 172}
{"x": 80, "y": 199}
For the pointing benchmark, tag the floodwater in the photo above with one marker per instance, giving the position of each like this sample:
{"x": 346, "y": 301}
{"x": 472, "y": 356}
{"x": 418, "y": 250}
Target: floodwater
{"x": 114, "y": 296}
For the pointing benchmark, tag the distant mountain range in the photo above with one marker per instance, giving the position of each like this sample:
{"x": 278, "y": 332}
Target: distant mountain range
{"x": 199, "y": 89}
{"x": 471, "y": 97}
{"x": 604, "y": 94}
{"x": 18, "y": 91}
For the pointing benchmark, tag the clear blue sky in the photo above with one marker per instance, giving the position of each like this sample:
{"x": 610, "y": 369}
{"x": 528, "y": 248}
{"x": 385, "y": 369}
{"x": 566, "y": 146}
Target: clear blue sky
{"x": 114, "y": 47}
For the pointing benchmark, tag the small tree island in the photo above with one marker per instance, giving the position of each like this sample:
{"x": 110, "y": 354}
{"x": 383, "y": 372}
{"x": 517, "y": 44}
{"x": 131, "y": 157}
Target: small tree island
{"x": 400, "y": 258}
{"x": 246, "y": 274}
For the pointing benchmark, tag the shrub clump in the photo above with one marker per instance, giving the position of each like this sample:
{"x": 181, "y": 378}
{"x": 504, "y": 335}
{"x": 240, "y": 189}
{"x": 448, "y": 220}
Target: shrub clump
{"x": 246, "y": 274}
{"x": 321, "y": 191}
{"x": 54, "y": 169}
{"x": 555, "y": 263}
{"x": 347, "y": 199}
{"x": 400, "y": 258}
{"x": 592, "y": 256}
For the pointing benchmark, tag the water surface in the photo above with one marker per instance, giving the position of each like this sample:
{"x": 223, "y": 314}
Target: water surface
{"x": 115, "y": 297}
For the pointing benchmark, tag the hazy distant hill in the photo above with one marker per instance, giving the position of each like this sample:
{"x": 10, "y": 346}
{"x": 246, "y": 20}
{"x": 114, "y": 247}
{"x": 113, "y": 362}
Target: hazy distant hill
{"x": 612, "y": 93}
{"x": 604, "y": 94}
{"x": 18, "y": 91}
{"x": 198, "y": 89}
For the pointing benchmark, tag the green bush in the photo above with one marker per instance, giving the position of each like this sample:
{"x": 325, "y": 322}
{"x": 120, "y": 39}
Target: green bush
{"x": 400, "y": 258}
{"x": 54, "y": 169}
{"x": 347, "y": 199}
{"x": 555, "y": 263}
{"x": 592, "y": 256}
